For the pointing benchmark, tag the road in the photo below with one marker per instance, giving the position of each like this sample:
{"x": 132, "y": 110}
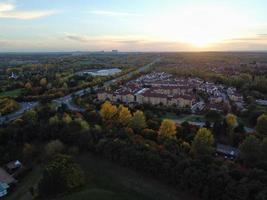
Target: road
{"x": 24, "y": 106}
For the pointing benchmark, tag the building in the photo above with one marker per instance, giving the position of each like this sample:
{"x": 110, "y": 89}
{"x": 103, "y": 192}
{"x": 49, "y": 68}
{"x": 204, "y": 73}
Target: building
{"x": 13, "y": 166}
{"x": 3, "y": 189}
{"x": 227, "y": 151}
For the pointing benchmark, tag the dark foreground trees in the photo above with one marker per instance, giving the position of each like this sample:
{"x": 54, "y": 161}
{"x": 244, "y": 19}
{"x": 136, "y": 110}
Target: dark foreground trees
{"x": 61, "y": 175}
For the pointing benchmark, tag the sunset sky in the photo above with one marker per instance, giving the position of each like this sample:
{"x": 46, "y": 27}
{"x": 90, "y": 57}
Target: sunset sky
{"x": 133, "y": 25}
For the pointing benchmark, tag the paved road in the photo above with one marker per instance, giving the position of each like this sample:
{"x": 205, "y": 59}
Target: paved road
{"x": 24, "y": 106}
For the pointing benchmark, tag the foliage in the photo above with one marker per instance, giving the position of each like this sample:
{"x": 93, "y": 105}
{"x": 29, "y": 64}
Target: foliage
{"x": 262, "y": 125}
{"x": 167, "y": 129}
{"x": 213, "y": 116}
{"x": 203, "y": 142}
{"x": 124, "y": 115}
{"x": 54, "y": 147}
{"x": 61, "y": 175}
{"x": 8, "y": 105}
{"x": 108, "y": 111}
{"x": 231, "y": 120}
{"x": 250, "y": 151}
{"x": 138, "y": 121}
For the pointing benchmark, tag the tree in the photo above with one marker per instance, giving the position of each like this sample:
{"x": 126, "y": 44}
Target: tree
{"x": 264, "y": 149}
{"x": 138, "y": 121}
{"x": 203, "y": 142}
{"x": 231, "y": 120}
{"x": 43, "y": 82}
{"x": 261, "y": 126}
{"x": 108, "y": 111}
{"x": 61, "y": 175}
{"x": 167, "y": 129}
{"x": 213, "y": 116}
{"x": 84, "y": 125}
{"x": 124, "y": 116}
{"x": 28, "y": 152}
{"x": 66, "y": 118}
{"x": 249, "y": 150}
{"x": 54, "y": 147}
{"x": 31, "y": 115}
{"x": 54, "y": 120}
{"x": 28, "y": 85}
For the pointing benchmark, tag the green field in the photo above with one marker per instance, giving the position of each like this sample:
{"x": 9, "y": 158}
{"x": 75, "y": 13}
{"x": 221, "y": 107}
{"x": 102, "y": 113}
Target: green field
{"x": 189, "y": 118}
{"x": 108, "y": 181}
{"x": 11, "y": 93}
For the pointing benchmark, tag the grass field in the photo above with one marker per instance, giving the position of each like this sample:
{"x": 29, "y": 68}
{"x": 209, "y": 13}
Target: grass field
{"x": 108, "y": 181}
{"x": 11, "y": 93}
{"x": 189, "y": 118}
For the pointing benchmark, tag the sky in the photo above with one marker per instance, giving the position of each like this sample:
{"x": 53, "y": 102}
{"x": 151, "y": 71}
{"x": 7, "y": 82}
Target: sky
{"x": 133, "y": 25}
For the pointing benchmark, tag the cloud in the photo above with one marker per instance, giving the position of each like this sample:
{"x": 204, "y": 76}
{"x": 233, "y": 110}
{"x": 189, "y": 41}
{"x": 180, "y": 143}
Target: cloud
{"x": 112, "y": 13}
{"x": 262, "y": 37}
{"x": 8, "y": 10}
{"x": 77, "y": 38}
{"x": 6, "y": 7}
{"x": 110, "y": 39}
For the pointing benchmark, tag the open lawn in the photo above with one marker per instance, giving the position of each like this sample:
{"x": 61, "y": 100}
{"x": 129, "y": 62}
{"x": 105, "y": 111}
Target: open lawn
{"x": 189, "y": 118}
{"x": 11, "y": 93}
{"x": 108, "y": 181}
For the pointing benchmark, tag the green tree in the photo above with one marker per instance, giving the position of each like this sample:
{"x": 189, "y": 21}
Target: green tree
{"x": 138, "y": 121}
{"x": 167, "y": 129}
{"x": 262, "y": 125}
{"x": 66, "y": 118}
{"x": 213, "y": 116}
{"x": 264, "y": 149}
{"x": 61, "y": 175}
{"x": 54, "y": 147}
{"x": 31, "y": 116}
{"x": 203, "y": 142}
{"x": 250, "y": 150}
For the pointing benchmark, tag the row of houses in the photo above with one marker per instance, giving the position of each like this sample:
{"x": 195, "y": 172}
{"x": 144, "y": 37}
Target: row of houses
{"x": 155, "y": 89}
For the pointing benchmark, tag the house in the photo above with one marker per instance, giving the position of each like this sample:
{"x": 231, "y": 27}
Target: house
{"x": 3, "y": 189}
{"x": 13, "y": 76}
{"x": 13, "y": 166}
{"x": 261, "y": 102}
{"x": 227, "y": 151}
{"x": 6, "y": 177}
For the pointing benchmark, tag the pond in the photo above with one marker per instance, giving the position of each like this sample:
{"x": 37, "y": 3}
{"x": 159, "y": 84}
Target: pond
{"x": 100, "y": 72}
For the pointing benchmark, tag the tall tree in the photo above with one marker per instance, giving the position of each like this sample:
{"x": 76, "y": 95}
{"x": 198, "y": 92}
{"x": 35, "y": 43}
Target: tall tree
{"x": 43, "y": 82}
{"x": 167, "y": 129}
{"x": 264, "y": 149}
{"x": 60, "y": 175}
{"x": 262, "y": 125}
{"x": 138, "y": 121}
{"x": 203, "y": 142}
{"x": 250, "y": 150}
{"x": 124, "y": 116}
{"x": 108, "y": 111}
